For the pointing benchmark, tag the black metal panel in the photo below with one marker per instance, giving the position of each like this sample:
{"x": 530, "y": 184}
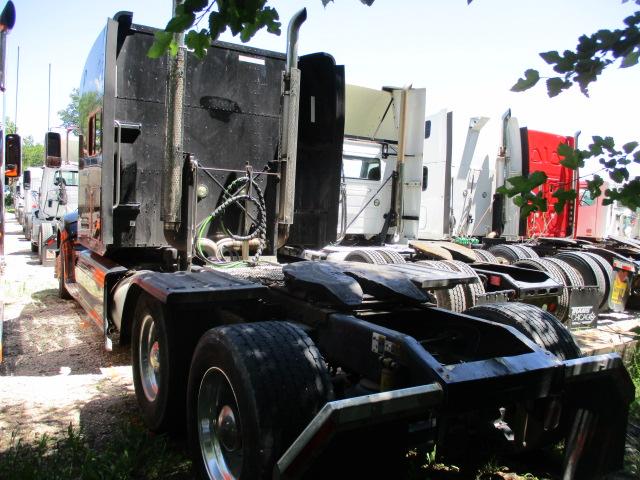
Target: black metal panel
{"x": 321, "y": 131}
{"x": 231, "y": 118}
{"x": 197, "y": 287}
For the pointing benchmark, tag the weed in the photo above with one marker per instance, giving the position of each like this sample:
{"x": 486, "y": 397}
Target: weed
{"x": 131, "y": 453}
{"x": 634, "y": 371}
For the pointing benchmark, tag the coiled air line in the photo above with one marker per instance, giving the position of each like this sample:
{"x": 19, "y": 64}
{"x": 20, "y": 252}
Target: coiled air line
{"x": 234, "y": 195}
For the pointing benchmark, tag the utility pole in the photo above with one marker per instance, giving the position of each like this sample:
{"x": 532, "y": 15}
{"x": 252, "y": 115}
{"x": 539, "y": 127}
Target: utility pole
{"x": 49, "y": 102}
{"x": 15, "y": 117}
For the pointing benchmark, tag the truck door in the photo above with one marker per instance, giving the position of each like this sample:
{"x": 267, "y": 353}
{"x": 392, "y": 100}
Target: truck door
{"x": 436, "y": 177}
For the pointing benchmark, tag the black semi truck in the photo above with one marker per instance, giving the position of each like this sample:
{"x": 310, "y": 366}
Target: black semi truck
{"x": 191, "y": 183}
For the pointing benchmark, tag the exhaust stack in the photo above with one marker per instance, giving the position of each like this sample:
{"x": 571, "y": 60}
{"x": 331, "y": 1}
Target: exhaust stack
{"x": 172, "y": 179}
{"x": 289, "y": 128}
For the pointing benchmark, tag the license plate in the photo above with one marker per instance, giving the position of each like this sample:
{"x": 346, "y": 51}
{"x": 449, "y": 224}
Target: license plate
{"x": 619, "y": 291}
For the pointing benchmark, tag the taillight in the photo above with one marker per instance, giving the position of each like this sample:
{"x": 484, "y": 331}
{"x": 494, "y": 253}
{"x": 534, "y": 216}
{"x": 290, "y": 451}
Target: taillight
{"x": 34, "y": 206}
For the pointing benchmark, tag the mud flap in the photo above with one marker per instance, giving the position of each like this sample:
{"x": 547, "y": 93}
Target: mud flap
{"x": 378, "y": 410}
{"x": 599, "y": 392}
{"x": 49, "y": 245}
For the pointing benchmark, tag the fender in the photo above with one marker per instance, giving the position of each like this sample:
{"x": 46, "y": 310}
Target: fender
{"x": 177, "y": 288}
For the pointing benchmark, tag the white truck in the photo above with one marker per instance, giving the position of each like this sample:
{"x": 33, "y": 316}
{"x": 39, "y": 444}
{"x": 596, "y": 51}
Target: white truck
{"x": 58, "y": 194}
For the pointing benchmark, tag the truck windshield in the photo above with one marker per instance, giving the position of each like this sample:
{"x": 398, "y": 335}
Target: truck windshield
{"x": 364, "y": 168}
{"x": 70, "y": 178}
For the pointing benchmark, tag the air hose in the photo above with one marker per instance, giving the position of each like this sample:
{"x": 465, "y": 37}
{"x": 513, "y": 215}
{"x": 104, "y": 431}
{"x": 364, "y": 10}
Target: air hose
{"x": 232, "y": 196}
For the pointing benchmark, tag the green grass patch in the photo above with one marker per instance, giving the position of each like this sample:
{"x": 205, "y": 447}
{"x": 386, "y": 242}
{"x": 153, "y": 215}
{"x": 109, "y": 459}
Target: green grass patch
{"x": 634, "y": 371}
{"x": 132, "y": 453}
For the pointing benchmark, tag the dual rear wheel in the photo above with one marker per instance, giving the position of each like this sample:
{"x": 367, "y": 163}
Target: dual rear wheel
{"x": 251, "y": 389}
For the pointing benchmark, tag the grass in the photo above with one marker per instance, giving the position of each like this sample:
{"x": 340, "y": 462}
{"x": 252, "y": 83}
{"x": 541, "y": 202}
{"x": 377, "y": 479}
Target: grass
{"x": 632, "y": 455}
{"x": 634, "y": 371}
{"x": 133, "y": 453}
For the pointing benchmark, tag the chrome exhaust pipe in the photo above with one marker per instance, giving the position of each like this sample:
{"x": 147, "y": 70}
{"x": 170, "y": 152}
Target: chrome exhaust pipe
{"x": 289, "y": 128}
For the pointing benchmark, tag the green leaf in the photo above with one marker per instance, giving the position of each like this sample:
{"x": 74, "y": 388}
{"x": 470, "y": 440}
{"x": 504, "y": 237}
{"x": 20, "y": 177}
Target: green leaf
{"x": 630, "y": 59}
{"x": 198, "y": 41}
{"x": 180, "y": 23}
{"x": 563, "y": 196}
{"x": 571, "y": 158}
{"x": 531, "y": 77}
{"x": 160, "y": 45}
{"x": 217, "y": 24}
{"x": 629, "y": 147}
{"x": 551, "y": 57}
{"x": 619, "y": 175}
{"x": 594, "y": 185}
{"x": 555, "y": 85}
{"x": 537, "y": 178}
{"x": 173, "y": 47}
{"x": 503, "y": 190}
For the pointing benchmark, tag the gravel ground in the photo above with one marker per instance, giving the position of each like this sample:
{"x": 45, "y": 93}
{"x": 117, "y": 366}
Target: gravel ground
{"x": 55, "y": 370}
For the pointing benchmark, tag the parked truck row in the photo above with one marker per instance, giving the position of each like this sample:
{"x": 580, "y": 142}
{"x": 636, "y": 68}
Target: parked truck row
{"x": 222, "y": 254}
{"x": 44, "y": 195}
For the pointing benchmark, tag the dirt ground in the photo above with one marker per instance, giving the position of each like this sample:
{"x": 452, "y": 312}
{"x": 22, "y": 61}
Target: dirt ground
{"x": 55, "y": 371}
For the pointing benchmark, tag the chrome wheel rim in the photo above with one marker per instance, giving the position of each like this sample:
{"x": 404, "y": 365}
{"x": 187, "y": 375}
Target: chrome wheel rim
{"x": 219, "y": 426}
{"x": 149, "y": 354}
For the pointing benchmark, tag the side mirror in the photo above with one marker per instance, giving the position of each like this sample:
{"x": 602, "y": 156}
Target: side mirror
{"x": 13, "y": 155}
{"x": 52, "y": 150}
{"x": 56, "y": 181}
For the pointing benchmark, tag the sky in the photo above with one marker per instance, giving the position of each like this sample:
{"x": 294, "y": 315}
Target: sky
{"x": 465, "y": 56}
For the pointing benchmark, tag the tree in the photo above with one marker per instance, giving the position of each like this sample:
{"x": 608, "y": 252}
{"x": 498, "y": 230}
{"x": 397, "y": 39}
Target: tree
{"x": 32, "y": 153}
{"x": 9, "y": 126}
{"x": 241, "y": 17}
{"x": 70, "y": 115}
{"x": 592, "y": 56}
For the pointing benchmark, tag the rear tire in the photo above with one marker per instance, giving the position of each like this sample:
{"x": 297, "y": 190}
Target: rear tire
{"x": 555, "y": 273}
{"x": 485, "y": 256}
{"x": 365, "y": 256}
{"x": 453, "y": 298}
{"x": 538, "y": 325}
{"x": 471, "y": 290}
{"x": 391, "y": 256}
{"x": 159, "y": 366}
{"x": 252, "y": 389}
{"x": 509, "y": 252}
{"x": 590, "y": 272}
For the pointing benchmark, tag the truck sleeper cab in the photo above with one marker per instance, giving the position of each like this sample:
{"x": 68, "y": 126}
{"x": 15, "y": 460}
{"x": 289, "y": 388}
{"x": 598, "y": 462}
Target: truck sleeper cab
{"x": 281, "y": 365}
